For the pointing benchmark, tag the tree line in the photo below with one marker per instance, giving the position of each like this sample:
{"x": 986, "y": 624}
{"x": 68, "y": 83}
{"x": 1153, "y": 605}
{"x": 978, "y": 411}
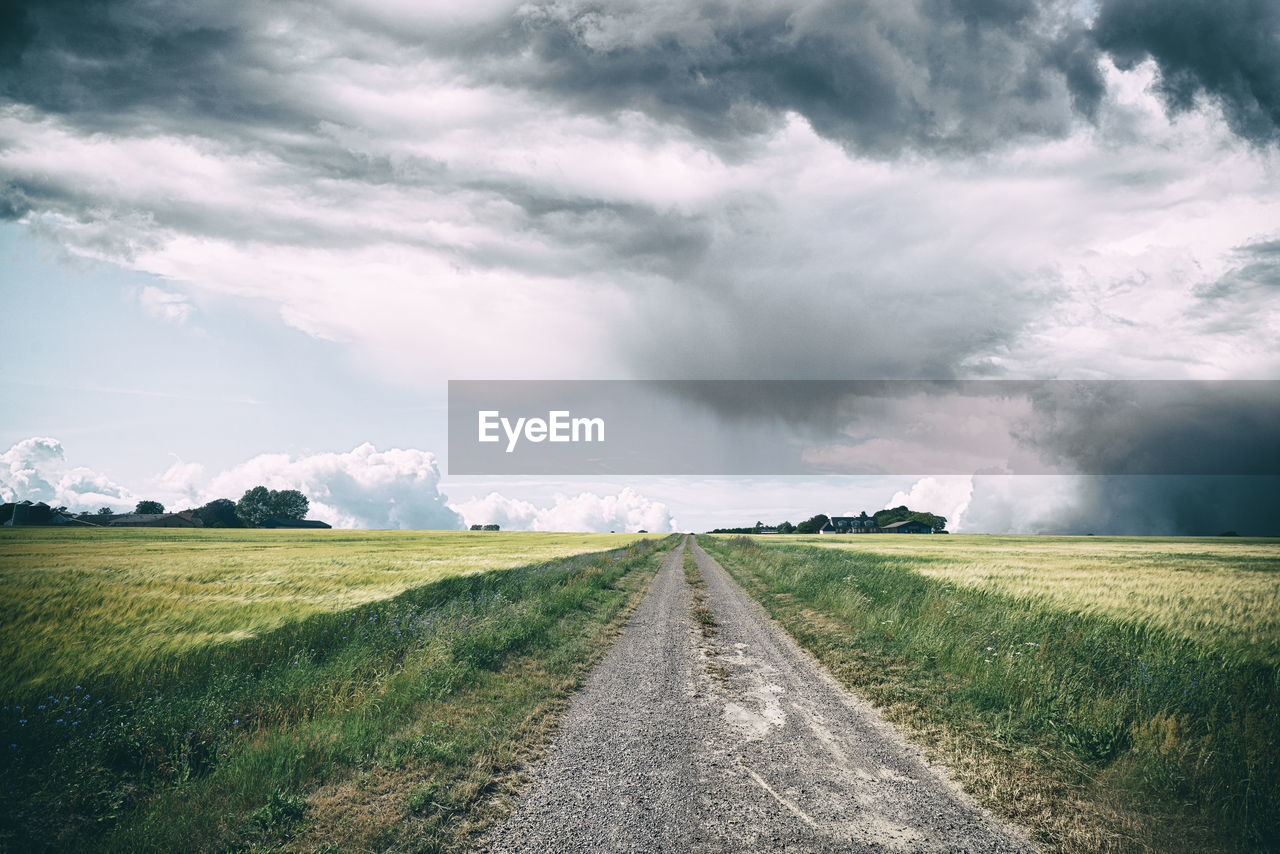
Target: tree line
{"x": 256, "y": 506}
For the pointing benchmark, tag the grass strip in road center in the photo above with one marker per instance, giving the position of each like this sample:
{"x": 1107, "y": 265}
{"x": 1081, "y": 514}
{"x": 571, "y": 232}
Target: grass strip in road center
{"x": 701, "y": 613}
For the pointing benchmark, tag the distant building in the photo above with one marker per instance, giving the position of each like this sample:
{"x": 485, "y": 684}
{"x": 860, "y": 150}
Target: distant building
{"x": 26, "y": 513}
{"x": 766, "y": 530}
{"x": 862, "y": 524}
{"x": 294, "y": 523}
{"x": 156, "y": 520}
{"x": 910, "y": 526}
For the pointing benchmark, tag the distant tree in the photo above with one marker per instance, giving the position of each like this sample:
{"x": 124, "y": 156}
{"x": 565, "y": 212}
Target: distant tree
{"x": 260, "y": 504}
{"x": 813, "y": 524}
{"x": 491, "y": 528}
{"x": 786, "y": 528}
{"x": 254, "y": 507}
{"x": 905, "y": 514}
{"x": 105, "y": 511}
{"x": 642, "y": 531}
{"x": 149, "y": 507}
{"x": 220, "y": 513}
{"x": 289, "y": 504}
{"x": 477, "y": 527}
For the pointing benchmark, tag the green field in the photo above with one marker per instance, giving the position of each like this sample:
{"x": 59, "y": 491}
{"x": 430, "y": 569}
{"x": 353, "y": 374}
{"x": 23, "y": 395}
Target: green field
{"x": 1112, "y": 694}
{"x": 230, "y": 690}
{"x": 1215, "y": 591}
{"x": 78, "y": 604}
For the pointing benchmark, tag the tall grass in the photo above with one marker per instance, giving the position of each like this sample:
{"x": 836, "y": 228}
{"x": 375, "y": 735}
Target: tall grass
{"x": 1182, "y": 718}
{"x": 216, "y": 746}
{"x": 1224, "y": 592}
{"x": 79, "y": 604}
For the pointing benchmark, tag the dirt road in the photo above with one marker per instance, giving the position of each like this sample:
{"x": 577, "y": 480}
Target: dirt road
{"x": 737, "y": 742}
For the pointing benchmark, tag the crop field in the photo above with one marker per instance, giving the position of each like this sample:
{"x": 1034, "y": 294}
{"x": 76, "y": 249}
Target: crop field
{"x": 78, "y": 604}
{"x": 1112, "y": 694}
{"x": 211, "y": 690}
{"x": 1214, "y": 591}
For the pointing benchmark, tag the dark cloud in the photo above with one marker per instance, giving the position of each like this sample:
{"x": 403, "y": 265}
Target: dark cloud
{"x": 16, "y": 31}
{"x": 14, "y": 202}
{"x": 1170, "y": 505}
{"x": 880, "y": 77}
{"x": 1158, "y": 426}
{"x": 799, "y": 310}
{"x": 1255, "y": 279}
{"x": 1227, "y": 50}
{"x": 116, "y": 64}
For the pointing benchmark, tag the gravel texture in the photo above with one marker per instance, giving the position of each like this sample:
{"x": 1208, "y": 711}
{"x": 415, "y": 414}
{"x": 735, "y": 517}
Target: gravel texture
{"x": 736, "y": 742}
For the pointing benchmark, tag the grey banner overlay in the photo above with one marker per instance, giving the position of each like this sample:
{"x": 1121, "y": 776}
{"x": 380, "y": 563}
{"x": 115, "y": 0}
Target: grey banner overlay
{"x": 872, "y": 427}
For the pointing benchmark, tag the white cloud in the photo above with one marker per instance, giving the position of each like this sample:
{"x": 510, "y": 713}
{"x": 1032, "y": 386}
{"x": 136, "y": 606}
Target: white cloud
{"x": 165, "y": 305}
{"x": 181, "y": 484}
{"x": 627, "y": 511}
{"x": 1022, "y": 504}
{"x": 35, "y": 469}
{"x": 947, "y": 496}
{"x": 363, "y": 488}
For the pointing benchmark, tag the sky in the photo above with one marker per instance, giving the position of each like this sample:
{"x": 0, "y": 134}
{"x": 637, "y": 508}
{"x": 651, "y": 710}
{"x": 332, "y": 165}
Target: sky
{"x": 248, "y": 243}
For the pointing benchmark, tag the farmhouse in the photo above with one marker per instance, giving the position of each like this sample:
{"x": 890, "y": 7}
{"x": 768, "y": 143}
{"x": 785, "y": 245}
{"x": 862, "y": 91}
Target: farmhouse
{"x": 864, "y": 524}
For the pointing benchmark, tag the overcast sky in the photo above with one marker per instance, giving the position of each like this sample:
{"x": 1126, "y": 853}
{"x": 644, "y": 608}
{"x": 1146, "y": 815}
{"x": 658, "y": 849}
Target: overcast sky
{"x": 250, "y": 242}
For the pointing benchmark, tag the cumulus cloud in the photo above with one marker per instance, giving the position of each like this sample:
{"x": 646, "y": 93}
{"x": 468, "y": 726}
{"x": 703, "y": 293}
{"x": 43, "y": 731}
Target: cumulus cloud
{"x": 363, "y": 488}
{"x": 627, "y": 511}
{"x": 943, "y": 496}
{"x": 35, "y": 469}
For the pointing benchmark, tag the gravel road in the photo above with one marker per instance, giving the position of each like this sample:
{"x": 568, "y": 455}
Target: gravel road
{"x": 737, "y": 742}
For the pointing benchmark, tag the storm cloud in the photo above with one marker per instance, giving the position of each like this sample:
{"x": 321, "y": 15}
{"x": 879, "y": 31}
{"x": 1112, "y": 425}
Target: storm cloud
{"x": 1225, "y": 50}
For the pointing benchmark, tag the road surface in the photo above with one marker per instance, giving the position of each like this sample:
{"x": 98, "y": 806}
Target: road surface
{"x": 737, "y": 742}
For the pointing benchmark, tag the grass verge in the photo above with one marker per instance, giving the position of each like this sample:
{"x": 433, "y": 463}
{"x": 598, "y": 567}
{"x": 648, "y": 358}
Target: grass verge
{"x": 1096, "y": 734}
{"x": 438, "y": 690}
